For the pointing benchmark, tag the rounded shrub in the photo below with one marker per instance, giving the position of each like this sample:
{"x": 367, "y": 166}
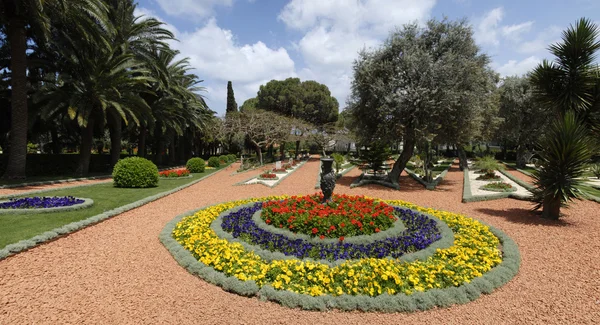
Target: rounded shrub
{"x": 135, "y": 172}
{"x": 224, "y": 159}
{"x": 214, "y": 162}
{"x": 232, "y": 157}
{"x": 196, "y": 165}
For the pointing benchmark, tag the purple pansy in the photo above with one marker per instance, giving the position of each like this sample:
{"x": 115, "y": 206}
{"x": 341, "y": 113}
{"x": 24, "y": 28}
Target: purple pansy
{"x": 41, "y": 202}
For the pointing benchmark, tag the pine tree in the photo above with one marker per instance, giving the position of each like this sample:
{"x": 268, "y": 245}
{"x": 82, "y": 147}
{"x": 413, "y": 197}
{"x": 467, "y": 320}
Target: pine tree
{"x": 231, "y": 104}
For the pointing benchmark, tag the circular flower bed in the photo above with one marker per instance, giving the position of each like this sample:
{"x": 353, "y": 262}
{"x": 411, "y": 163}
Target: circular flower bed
{"x": 43, "y": 204}
{"x": 420, "y": 231}
{"x": 499, "y": 187}
{"x": 175, "y": 173}
{"x": 343, "y": 216}
{"x": 474, "y": 264}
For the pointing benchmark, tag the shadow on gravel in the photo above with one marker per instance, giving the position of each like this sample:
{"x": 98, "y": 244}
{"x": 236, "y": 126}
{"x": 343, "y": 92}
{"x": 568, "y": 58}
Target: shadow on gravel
{"x": 523, "y": 216}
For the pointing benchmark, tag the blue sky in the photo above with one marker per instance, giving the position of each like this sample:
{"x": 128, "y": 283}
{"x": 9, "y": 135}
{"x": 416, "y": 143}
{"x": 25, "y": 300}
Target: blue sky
{"x": 253, "y": 41}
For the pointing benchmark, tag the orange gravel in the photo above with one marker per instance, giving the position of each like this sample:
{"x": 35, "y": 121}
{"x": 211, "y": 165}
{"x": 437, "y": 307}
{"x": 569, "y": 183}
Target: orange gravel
{"x": 27, "y": 189}
{"x": 117, "y": 272}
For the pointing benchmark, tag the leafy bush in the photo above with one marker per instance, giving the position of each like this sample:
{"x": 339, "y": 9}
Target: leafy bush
{"x": 498, "y": 187}
{"x": 488, "y": 165}
{"x": 224, "y": 159}
{"x": 135, "y": 172}
{"x": 232, "y": 157}
{"x": 214, "y": 162}
{"x": 196, "y": 165}
{"x": 338, "y": 162}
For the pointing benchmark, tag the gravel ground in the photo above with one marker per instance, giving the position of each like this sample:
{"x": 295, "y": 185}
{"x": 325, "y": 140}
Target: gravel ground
{"x": 27, "y": 189}
{"x": 118, "y": 272}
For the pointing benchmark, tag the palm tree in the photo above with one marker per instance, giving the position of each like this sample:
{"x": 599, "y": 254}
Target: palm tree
{"x": 19, "y": 17}
{"x": 568, "y": 86}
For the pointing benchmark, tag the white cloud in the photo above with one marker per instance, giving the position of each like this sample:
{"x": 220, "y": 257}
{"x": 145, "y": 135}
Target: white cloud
{"x": 197, "y": 9}
{"x": 217, "y": 58}
{"x": 518, "y": 68}
{"x": 541, "y": 42}
{"x": 336, "y": 30}
{"x": 514, "y": 32}
{"x": 487, "y": 29}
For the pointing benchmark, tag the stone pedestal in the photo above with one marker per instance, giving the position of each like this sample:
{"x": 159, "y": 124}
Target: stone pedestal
{"x": 327, "y": 178}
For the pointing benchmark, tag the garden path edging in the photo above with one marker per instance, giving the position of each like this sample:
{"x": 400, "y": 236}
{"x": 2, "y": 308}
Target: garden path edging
{"x": 26, "y": 244}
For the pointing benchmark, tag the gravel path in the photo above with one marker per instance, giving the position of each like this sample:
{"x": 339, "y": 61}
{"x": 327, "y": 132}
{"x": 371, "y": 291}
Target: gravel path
{"x": 27, "y": 189}
{"x": 117, "y": 272}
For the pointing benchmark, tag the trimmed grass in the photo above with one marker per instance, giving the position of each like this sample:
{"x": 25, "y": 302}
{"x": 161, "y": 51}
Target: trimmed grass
{"x": 14, "y": 228}
{"x": 34, "y": 179}
{"x": 513, "y": 165}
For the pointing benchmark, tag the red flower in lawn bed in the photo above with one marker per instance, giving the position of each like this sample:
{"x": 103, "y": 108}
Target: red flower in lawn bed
{"x": 279, "y": 170}
{"x": 267, "y": 175}
{"x": 182, "y": 172}
{"x": 344, "y": 216}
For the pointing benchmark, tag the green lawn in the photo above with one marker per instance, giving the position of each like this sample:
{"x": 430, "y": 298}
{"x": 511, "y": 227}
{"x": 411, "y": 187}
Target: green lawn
{"x": 14, "y": 228}
{"x": 34, "y": 179}
{"x": 513, "y": 165}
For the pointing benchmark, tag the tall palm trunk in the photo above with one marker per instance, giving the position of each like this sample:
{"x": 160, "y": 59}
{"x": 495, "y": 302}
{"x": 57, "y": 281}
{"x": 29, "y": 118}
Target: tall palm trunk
{"x": 142, "y": 142}
{"x": 116, "y": 133}
{"x": 551, "y": 208}
{"x": 17, "y": 157}
{"x": 85, "y": 151}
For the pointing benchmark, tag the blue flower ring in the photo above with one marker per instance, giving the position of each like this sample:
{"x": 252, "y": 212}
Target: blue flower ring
{"x": 44, "y": 204}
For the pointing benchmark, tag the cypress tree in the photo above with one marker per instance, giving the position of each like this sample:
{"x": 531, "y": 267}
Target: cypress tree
{"x": 231, "y": 104}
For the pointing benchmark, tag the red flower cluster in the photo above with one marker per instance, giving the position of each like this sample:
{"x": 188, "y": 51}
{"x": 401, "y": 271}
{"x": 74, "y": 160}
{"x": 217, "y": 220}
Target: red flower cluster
{"x": 182, "y": 172}
{"x": 344, "y": 216}
{"x": 279, "y": 170}
{"x": 268, "y": 175}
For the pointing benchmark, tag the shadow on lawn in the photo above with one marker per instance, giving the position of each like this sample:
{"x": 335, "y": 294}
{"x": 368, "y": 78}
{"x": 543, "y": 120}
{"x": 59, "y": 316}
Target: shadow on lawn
{"x": 523, "y": 216}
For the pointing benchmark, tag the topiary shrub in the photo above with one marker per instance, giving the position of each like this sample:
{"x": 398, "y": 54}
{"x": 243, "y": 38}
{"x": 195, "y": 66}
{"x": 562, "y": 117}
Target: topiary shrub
{"x": 196, "y": 165}
{"x": 135, "y": 172}
{"x": 223, "y": 159}
{"x": 214, "y": 162}
{"x": 232, "y": 157}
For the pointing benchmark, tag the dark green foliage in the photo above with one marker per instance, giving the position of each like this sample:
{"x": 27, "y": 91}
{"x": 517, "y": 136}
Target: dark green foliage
{"x": 232, "y": 157}
{"x": 595, "y": 169}
{"x": 338, "y": 162}
{"x": 564, "y": 154}
{"x": 214, "y": 162}
{"x": 196, "y": 165}
{"x": 135, "y": 172}
{"x": 249, "y": 105}
{"x": 224, "y": 159}
{"x": 231, "y": 104}
{"x": 488, "y": 165}
{"x": 374, "y": 158}
{"x": 498, "y": 187}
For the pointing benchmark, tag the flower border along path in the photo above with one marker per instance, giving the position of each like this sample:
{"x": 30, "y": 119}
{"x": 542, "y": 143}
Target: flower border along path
{"x": 26, "y": 244}
{"x": 85, "y": 204}
{"x": 234, "y": 269}
{"x": 280, "y": 178}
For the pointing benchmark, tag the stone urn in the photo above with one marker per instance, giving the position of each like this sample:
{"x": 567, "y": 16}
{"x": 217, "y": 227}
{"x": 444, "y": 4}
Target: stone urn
{"x": 327, "y": 178}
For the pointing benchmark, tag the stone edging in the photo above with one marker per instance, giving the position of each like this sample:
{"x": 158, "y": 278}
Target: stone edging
{"x": 243, "y": 183}
{"x": 436, "y": 181}
{"x": 466, "y": 292}
{"x": 468, "y": 197}
{"x": 26, "y": 244}
{"x": 86, "y": 204}
{"x": 446, "y": 241}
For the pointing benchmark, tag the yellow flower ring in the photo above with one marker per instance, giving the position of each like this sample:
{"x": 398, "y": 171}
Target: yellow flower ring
{"x": 461, "y": 273}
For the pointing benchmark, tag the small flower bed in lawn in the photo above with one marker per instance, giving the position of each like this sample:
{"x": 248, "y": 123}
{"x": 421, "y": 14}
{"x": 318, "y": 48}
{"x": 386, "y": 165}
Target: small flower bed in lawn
{"x": 287, "y": 167}
{"x": 173, "y": 173}
{"x": 343, "y": 216}
{"x": 475, "y": 252}
{"x": 420, "y": 232}
{"x": 499, "y": 187}
{"x": 41, "y": 202}
{"x": 279, "y": 170}
{"x": 489, "y": 177}
{"x": 267, "y": 176}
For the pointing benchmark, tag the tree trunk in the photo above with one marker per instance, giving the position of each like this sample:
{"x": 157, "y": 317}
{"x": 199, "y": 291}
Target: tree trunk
{"x": 56, "y": 147}
{"x": 142, "y": 142}
{"x": 116, "y": 133}
{"x": 172, "y": 151}
{"x": 158, "y": 145}
{"x": 282, "y": 151}
{"x": 297, "y": 149}
{"x": 17, "y": 157}
{"x": 400, "y": 164}
{"x": 85, "y": 150}
{"x": 551, "y": 208}
{"x": 521, "y": 156}
{"x": 259, "y": 153}
{"x": 462, "y": 158}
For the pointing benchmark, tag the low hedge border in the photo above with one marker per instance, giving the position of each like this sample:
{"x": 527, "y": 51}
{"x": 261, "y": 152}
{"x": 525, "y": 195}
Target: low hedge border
{"x": 172, "y": 178}
{"x": 486, "y": 284}
{"x": 86, "y": 204}
{"x": 55, "y": 233}
{"x": 360, "y": 181}
{"x": 344, "y": 172}
{"x": 510, "y": 176}
{"x": 243, "y": 183}
{"x": 446, "y": 241}
{"x": 436, "y": 181}
{"x": 468, "y": 197}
